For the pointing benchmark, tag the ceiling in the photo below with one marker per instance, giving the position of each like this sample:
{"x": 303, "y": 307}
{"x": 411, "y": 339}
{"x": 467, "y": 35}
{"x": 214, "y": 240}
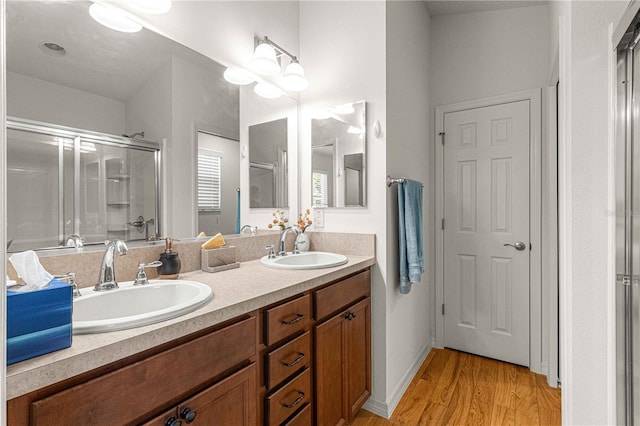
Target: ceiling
{"x": 449, "y": 7}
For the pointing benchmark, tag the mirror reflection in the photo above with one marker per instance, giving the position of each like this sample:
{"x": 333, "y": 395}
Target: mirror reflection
{"x": 268, "y": 164}
{"x": 138, "y": 84}
{"x": 338, "y": 142}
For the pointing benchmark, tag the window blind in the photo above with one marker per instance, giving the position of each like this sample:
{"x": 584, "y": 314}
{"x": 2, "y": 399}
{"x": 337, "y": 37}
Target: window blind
{"x": 320, "y": 189}
{"x": 209, "y": 185}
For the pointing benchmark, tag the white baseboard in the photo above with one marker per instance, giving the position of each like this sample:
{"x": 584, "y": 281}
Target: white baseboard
{"x": 385, "y": 409}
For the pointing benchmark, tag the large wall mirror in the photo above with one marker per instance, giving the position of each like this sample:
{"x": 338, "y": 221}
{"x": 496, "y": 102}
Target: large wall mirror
{"x": 64, "y": 70}
{"x": 338, "y": 160}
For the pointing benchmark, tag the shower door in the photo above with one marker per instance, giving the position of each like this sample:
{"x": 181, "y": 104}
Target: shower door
{"x": 627, "y": 171}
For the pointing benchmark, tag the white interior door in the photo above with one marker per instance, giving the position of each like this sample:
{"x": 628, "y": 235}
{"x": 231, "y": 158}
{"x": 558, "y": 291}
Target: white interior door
{"x": 486, "y": 206}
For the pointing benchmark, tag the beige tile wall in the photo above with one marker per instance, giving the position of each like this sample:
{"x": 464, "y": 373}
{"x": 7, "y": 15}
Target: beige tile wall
{"x": 87, "y": 265}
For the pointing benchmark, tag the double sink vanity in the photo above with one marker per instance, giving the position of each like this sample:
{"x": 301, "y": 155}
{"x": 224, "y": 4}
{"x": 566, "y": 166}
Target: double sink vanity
{"x": 264, "y": 344}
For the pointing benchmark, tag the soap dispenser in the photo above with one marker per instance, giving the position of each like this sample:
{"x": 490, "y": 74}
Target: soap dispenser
{"x": 170, "y": 268}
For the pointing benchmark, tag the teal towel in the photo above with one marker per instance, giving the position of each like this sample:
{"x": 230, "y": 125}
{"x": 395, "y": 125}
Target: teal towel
{"x": 410, "y": 234}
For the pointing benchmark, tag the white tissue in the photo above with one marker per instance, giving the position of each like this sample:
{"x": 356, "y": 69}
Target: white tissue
{"x": 28, "y": 267}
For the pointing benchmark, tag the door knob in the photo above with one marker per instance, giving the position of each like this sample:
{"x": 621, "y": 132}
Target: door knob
{"x": 520, "y": 246}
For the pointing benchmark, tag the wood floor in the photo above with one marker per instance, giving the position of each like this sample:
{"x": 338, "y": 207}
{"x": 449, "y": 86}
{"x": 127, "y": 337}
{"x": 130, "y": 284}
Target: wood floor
{"x": 456, "y": 388}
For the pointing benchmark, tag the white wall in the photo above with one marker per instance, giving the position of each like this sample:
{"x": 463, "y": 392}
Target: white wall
{"x": 409, "y": 153}
{"x": 342, "y": 47}
{"x": 587, "y": 274}
{"x": 40, "y": 100}
{"x": 483, "y": 54}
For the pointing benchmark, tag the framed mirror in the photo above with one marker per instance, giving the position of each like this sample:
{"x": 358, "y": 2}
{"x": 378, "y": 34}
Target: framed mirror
{"x": 87, "y": 77}
{"x": 338, "y": 156}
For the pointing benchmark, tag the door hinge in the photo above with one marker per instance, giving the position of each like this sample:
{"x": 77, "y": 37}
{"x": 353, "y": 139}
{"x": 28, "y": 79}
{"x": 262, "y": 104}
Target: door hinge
{"x": 442, "y": 134}
{"x": 442, "y": 224}
{"x": 443, "y": 309}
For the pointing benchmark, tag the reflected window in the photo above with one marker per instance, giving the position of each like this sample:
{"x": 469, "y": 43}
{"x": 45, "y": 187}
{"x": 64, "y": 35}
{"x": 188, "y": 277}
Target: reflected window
{"x": 209, "y": 180}
{"x": 320, "y": 188}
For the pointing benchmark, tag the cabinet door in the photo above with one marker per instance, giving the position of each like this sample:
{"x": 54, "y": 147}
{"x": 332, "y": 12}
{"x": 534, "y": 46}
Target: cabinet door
{"x": 330, "y": 369}
{"x": 358, "y": 356}
{"x": 229, "y": 402}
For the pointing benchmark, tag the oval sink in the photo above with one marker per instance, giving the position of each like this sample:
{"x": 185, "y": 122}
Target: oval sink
{"x": 134, "y": 306}
{"x": 305, "y": 260}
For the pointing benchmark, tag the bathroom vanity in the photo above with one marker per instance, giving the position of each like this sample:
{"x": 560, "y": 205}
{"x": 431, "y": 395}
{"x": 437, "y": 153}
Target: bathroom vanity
{"x": 273, "y": 347}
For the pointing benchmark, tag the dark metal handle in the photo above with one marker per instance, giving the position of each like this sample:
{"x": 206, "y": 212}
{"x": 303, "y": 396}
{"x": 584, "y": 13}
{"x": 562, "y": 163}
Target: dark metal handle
{"x": 296, "y": 402}
{"x": 349, "y": 316}
{"x": 294, "y": 362}
{"x": 172, "y": 421}
{"x": 188, "y": 415}
{"x": 293, "y": 321}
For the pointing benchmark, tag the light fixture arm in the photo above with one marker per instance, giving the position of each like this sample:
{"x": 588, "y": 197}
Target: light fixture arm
{"x": 277, "y": 47}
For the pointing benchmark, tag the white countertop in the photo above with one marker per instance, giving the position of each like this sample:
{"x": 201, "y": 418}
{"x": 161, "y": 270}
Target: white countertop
{"x": 235, "y": 292}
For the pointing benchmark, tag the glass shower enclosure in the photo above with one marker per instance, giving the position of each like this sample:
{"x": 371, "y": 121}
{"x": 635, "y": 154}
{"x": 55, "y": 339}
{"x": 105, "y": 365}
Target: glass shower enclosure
{"x": 627, "y": 169}
{"x": 63, "y": 182}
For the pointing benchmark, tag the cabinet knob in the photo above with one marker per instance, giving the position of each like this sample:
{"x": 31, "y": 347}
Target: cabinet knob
{"x": 172, "y": 421}
{"x": 188, "y": 415}
{"x": 349, "y": 316}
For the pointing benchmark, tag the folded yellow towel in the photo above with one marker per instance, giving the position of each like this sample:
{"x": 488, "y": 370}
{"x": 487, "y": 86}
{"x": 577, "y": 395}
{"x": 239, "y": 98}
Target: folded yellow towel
{"x": 202, "y": 234}
{"x": 214, "y": 242}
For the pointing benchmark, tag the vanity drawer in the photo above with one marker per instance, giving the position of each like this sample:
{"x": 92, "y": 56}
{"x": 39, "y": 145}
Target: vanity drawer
{"x": 283, "y": 362}
{"x": 342, "y": 294}
{"x": 285, "y": 402}
{"x": 303, "y": 418}
{"x": 129, "y": 394}
{"x": 286, "y": 319}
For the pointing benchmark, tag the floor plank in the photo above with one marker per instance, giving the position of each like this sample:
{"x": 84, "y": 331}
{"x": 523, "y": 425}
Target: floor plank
{"x": 456, "y": 388}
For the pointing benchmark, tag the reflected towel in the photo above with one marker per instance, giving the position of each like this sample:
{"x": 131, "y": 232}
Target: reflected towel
{"x": 410, "y": 234}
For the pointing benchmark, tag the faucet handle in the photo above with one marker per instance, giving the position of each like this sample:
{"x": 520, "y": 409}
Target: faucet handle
{"x": 70, "y": 277}
{"x": 272, "y": 251}
{"x": 296, "y": 250}
{"x": 141, "y": 276}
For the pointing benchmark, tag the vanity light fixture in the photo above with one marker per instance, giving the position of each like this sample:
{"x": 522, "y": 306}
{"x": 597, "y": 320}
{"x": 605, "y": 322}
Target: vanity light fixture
{"x": 265, "y": 61}
{"x": 345, "y": 109}
{"x": 238, "y": 76}
{"x": 267, "y": 90}
{"x": 354, "y": 130}
{"x": 113, "y": 18}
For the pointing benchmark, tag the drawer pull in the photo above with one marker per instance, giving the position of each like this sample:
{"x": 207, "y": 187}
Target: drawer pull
{"x": 294, "y": 362}
{"x": 172, "y": 421}
{"x": 296, "y": 402}
{"x": 350, "y": 315}
{"x": 293, "y": 321}
{"x": 188, "y": 415}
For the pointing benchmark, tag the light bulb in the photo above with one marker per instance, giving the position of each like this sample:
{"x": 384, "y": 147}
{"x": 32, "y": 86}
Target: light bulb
{"x": 267, "y": 90}
{"x": 345, "y": 109}
{"x": 237, "y": 76}
{"x": 264, "y": 60}
{"x": 113, "y": 18}
{"x": 293, "y": 78}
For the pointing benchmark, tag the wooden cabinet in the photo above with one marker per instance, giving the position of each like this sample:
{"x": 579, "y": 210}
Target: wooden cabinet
{"x": 304, "y": 361}
{"x": 343, "y": 360}
{"x": 231, "y": 401}
{"x": 199, "y": 371}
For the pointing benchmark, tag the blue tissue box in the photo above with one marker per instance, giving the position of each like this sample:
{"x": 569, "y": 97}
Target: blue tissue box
{"x": 38, "y": 322}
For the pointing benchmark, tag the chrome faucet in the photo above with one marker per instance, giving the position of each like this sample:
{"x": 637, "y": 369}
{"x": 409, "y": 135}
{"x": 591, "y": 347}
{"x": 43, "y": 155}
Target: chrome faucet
{"x": 107, "y": 278}
{"x": 74, "y": 240}
{"x": 283, "y": 235}
{"x": 252, "y": 229}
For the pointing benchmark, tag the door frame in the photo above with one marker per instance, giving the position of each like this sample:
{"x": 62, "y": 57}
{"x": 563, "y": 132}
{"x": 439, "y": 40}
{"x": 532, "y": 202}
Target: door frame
{"x": 535, "y": 206}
